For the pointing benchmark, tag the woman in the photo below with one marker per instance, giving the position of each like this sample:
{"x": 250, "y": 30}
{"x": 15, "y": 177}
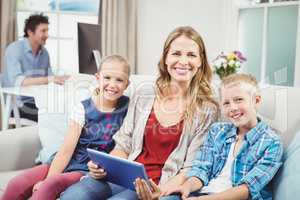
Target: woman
{"x": 164, "y": 125}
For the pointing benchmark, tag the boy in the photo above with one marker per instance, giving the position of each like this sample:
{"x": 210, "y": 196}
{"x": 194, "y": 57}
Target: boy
{"x": 239, "y": 158}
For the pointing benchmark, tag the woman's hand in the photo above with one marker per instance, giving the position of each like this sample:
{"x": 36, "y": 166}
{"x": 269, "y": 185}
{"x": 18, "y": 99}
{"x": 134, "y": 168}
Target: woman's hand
{"x": 95, "y": 171}
{"x": 146, "y": 192}
{"x": 37, "y": 186}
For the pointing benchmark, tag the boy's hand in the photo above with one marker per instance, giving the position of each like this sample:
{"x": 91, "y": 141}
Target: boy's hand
{"x": 95, "y": 171}
{"x": 146, "y": 192}
{"x": 205, "y": 197}
{"x": 184, "y": 190}
{"x": 37, "y": 186}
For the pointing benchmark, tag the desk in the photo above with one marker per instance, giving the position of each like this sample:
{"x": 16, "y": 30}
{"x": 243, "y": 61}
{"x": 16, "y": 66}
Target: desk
{"x": 45, "y": 95}
{"x": 11, "y": 94}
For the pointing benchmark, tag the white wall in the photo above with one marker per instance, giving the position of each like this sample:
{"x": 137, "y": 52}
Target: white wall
{"x": 157, "y": 18}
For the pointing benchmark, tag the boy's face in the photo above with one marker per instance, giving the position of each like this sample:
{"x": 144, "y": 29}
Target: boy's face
{"x": 239, "y": 106}
{"x": 113, "y": 80}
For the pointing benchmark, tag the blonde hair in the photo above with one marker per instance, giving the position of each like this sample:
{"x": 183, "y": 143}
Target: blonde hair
{"x": 199, "y": 91}
{"x": 117, "y": 58}
{"x": 238, "y": 79}
{"x": 110, "y": 58}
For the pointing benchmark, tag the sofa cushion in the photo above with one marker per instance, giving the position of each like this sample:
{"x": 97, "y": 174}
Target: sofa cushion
{"x": 18, "y": 148}
{"x": 286, "y": 183}
{"x": 51, "y": 134}
{"x": 278, "y": 109}
{"x": 55, "y": 103}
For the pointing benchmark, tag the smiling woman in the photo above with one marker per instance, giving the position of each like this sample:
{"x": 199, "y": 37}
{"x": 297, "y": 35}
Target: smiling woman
{"x": 164, "y": 126}
{"x": 183, "y": 59}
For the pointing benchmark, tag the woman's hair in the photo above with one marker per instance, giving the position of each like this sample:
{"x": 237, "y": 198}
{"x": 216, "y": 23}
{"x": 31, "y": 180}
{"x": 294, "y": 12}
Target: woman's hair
{"x": 32, "y": 22}
{"x": 199, "y": 90}
{"x": 110, "y": 58}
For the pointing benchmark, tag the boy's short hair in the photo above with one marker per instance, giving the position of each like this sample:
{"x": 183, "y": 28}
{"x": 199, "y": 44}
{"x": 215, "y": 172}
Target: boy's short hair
{"x": 242, "y": 78}
{"x": 115, "y": 58}
{"x": 33, "y": 21}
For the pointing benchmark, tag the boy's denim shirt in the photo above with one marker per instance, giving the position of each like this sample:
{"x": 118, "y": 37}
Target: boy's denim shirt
{"x": 256, "y": 163}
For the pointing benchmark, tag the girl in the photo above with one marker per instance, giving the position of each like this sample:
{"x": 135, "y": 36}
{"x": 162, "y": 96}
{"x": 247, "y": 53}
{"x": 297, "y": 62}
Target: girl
{"x": 165, "y": 125}
{"x": 92, "y": 124}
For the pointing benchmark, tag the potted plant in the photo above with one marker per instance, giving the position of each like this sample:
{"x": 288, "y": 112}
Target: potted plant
{"x": 226, "y": 64}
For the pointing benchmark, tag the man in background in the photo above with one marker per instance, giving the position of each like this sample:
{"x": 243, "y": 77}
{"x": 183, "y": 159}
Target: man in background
{"x": 26, "y": 62}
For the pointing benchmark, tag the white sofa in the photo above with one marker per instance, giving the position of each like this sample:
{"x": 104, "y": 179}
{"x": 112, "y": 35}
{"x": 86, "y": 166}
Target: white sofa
{"x": 19, "y": 147}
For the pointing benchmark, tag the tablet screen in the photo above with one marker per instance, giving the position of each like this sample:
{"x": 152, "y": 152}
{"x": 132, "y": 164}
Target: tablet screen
{"x": 119, "y": 171}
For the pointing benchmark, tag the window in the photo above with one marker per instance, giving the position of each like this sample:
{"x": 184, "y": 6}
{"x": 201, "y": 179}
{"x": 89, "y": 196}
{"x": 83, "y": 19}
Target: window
{"x": 268, "y": 36}
{"x": 256, "y": 2}
{"x": 63, "y": 17}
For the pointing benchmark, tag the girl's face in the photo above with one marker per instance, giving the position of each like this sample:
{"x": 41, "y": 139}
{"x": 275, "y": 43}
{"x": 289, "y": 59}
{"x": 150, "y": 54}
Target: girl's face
{"x": 113, "y": 79}
{"x": 183, "y": 59}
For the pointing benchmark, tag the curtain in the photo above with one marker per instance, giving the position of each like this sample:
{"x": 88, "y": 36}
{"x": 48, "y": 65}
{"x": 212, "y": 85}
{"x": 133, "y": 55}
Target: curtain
{"x": 8, "y": 31}
{"x": 118, "y": 19}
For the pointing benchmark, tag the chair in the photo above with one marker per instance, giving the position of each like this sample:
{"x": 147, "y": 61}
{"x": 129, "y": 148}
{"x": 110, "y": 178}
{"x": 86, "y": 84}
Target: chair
{"x": 12, "y": 120}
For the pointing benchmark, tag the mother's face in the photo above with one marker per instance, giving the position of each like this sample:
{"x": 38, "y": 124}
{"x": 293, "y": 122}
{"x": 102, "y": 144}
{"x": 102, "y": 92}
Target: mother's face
{"x": 183, "y": 59}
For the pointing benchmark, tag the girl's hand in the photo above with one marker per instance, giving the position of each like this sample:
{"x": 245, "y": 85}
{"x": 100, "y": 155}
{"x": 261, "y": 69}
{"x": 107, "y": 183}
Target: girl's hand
{"x": 37, "y": 186}
{"x": 95, "y": 171}
{"x": 146, "y": 192}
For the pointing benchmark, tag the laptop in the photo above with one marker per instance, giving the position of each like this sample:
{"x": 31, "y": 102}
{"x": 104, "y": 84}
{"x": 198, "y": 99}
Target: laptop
{"x": 119, "y": 171}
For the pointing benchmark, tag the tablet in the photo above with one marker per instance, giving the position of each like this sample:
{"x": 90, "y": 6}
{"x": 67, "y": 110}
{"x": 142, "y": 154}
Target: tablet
{"x": 119, "y": 171}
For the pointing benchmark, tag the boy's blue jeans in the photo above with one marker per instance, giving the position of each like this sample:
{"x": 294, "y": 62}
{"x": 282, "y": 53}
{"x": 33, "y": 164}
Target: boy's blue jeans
{"x": 178, "y": 197}
{"x": 171, "y": 197}
{"x": 89, "y": 189}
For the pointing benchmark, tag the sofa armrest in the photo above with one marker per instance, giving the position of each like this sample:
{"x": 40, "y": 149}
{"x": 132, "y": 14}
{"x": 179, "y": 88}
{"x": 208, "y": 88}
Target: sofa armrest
{"x": 19, "y": 148}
